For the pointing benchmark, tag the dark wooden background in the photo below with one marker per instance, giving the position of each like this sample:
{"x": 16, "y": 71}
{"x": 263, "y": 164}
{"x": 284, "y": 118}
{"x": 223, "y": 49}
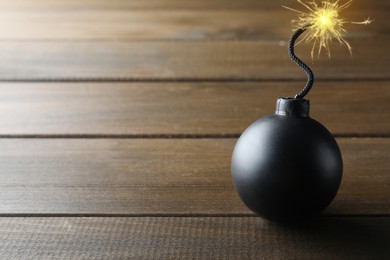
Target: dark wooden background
{"x": 118, "y": 119}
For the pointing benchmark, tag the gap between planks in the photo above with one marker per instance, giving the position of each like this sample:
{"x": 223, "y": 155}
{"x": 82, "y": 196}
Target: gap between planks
{"x": 160, "y": 136}
{"x": 187, "y": 80}
{"x": 167, "y": 215}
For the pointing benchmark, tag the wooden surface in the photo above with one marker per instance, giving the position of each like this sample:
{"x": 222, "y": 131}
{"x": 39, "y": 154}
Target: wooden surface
{"x": 118, "y": 119}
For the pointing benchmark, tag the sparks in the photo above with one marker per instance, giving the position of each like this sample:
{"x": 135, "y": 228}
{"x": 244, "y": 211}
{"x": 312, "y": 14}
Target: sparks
{"x": 324, "y": 24}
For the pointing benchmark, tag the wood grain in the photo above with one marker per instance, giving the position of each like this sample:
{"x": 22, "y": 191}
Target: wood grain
{"x": 161, "y": 176}
{"x": 242, "y": 60}
{"x": 184, "y": 109}
{"x": 193, "y": 238}
{"x": 183, "y": 24}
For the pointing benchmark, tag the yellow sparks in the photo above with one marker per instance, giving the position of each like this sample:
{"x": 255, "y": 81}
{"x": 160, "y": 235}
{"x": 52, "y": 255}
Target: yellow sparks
{"x": 323, "y": 23}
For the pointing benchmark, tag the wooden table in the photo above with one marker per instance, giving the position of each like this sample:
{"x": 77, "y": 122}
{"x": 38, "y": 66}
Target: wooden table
{"x": 118, "y": 119}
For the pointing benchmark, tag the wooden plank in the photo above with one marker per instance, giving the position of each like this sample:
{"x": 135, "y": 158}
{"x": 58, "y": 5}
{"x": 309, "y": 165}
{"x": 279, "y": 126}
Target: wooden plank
{"x": 161, "y": 109}
{"x": 143, "y": 25}
{"x": 129, "y": 24}
{"x": 164, "y": 4}
{"x": 189, "y": 238}
{"x": 241, "y": 60}
{"x": 167, "y": 20}
{"x": 161, "y": 176}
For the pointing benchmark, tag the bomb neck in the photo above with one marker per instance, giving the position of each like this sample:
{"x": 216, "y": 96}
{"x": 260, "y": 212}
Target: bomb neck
{"x": 296, "y": 107}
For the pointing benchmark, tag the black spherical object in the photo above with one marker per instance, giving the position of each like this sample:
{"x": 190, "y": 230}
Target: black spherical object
{"x": 287, "y": 167}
